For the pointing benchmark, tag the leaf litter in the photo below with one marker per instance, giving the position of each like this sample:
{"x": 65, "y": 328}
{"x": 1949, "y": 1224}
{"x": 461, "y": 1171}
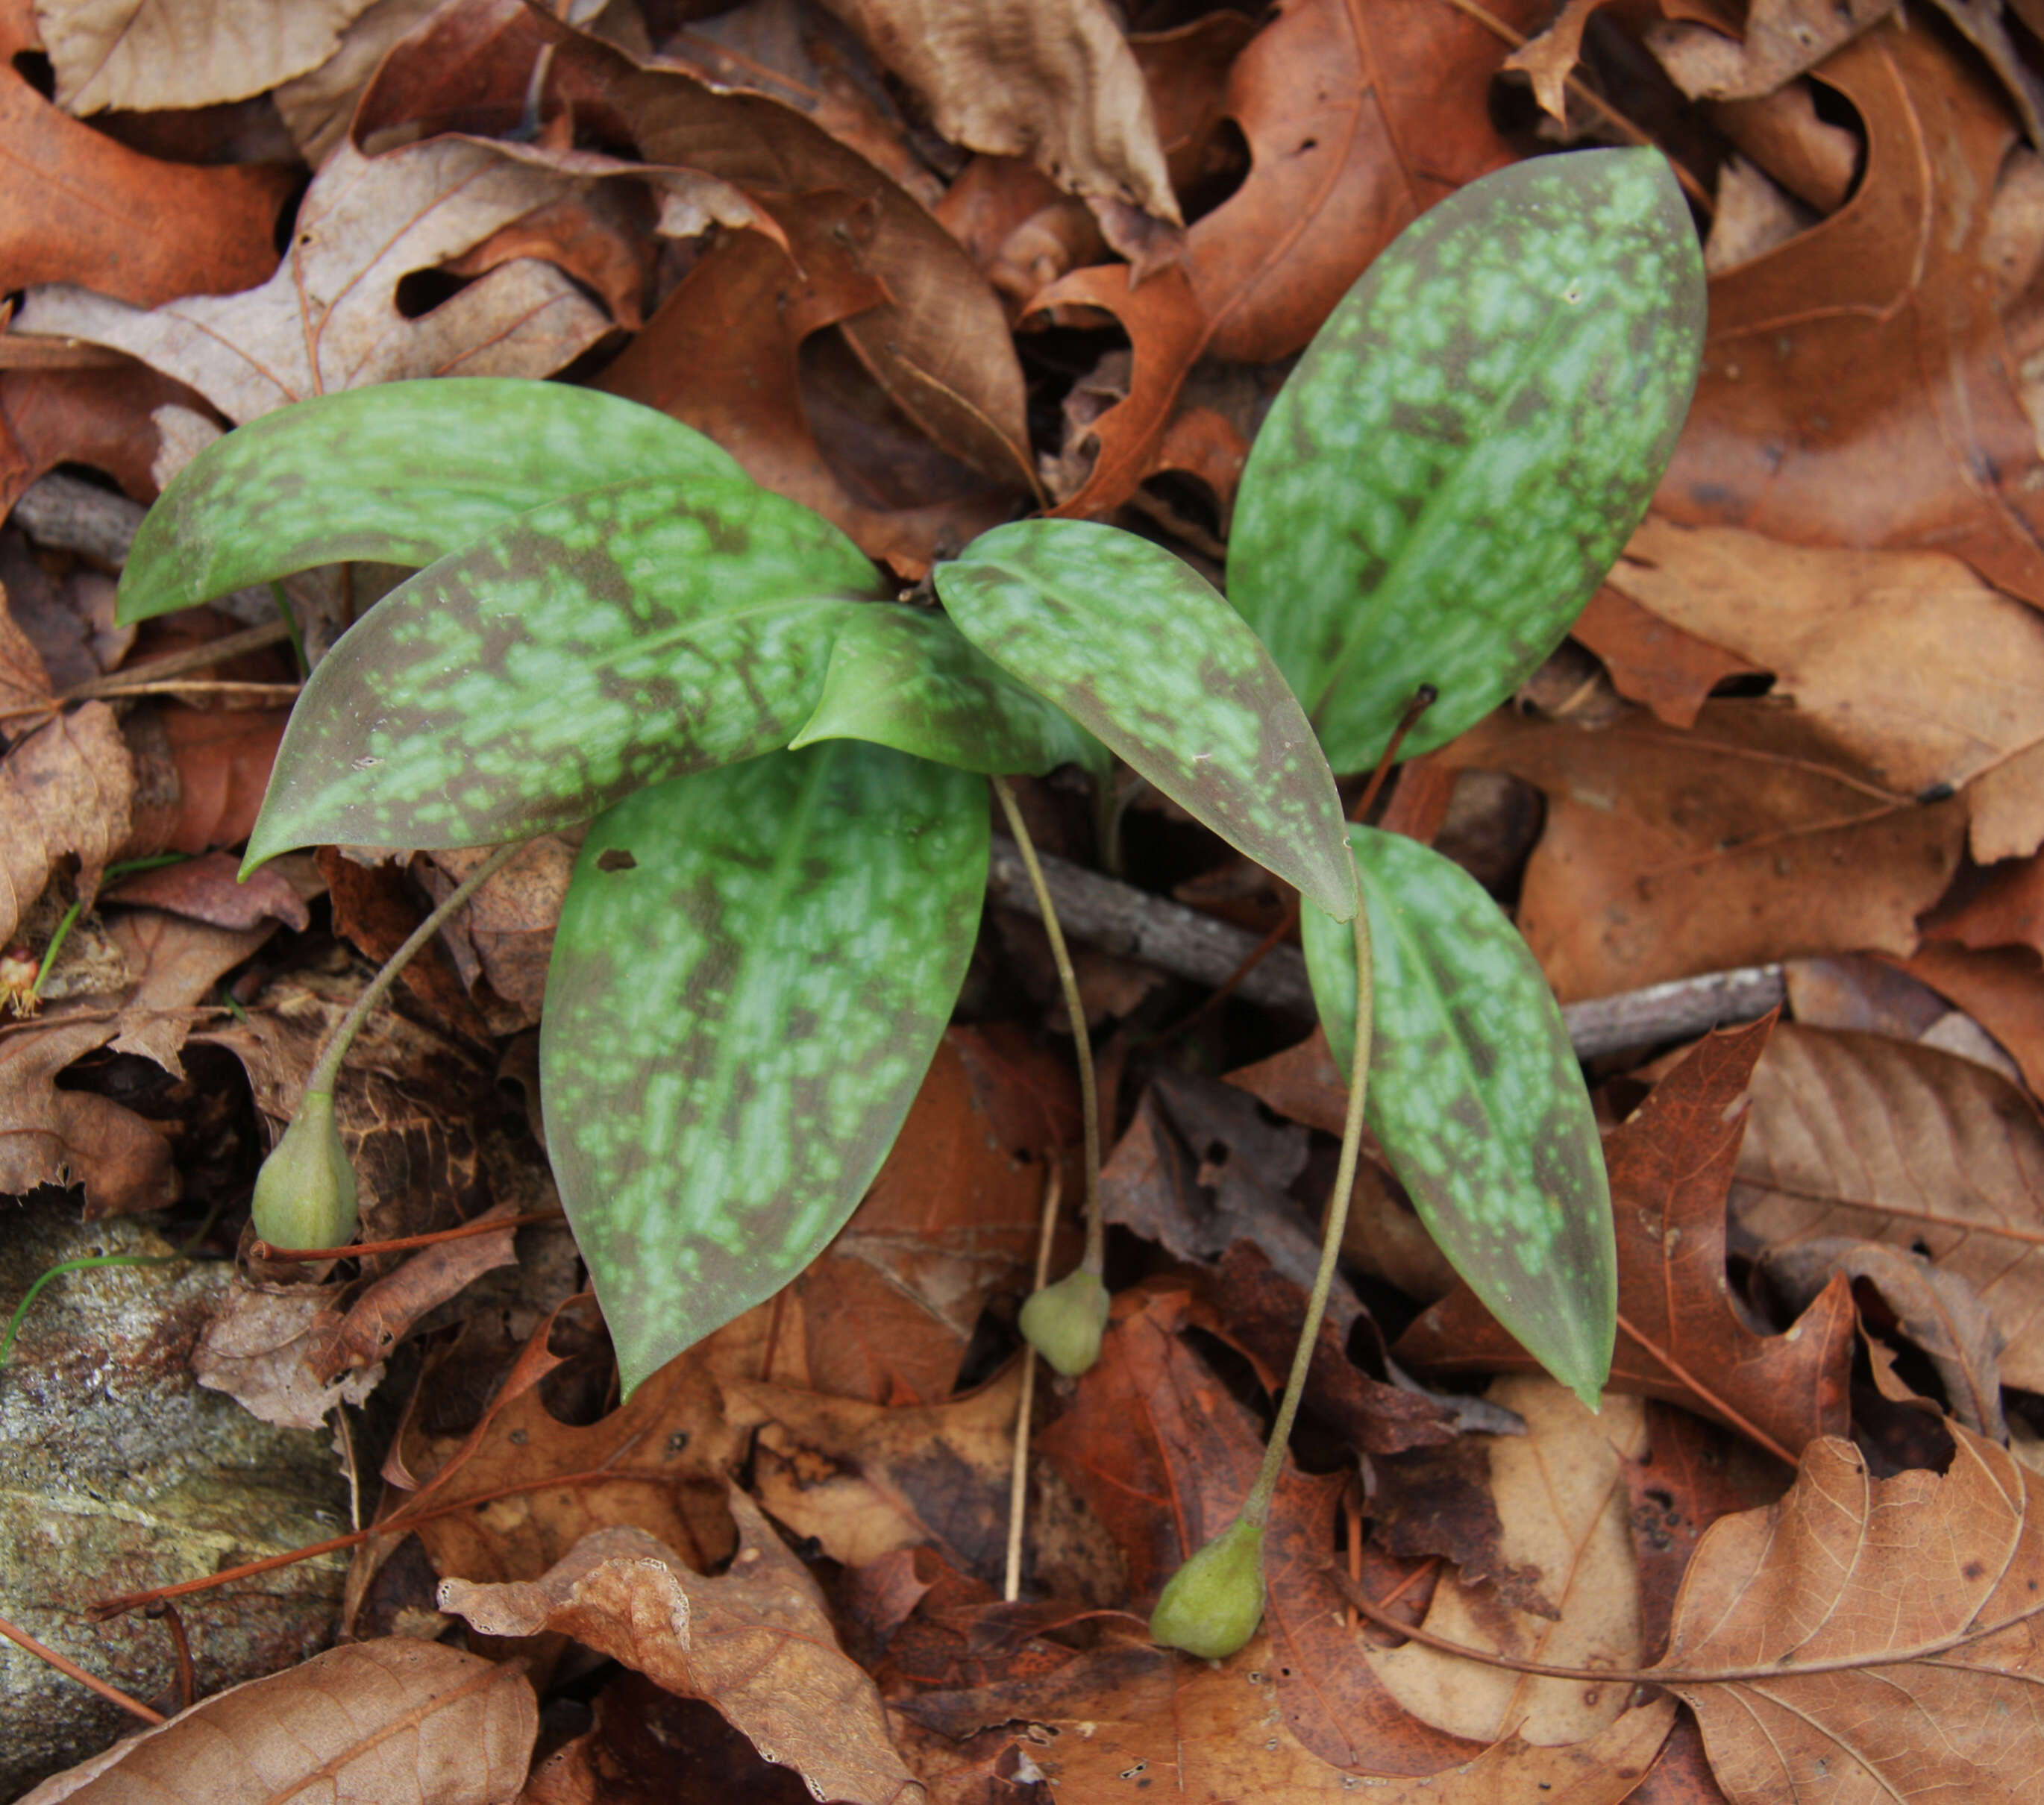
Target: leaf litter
{"x": 922, "y": 283}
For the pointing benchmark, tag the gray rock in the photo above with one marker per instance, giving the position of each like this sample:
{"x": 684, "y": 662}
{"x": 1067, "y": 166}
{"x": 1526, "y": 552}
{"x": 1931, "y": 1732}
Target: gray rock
{"x": 118, "y": 1473}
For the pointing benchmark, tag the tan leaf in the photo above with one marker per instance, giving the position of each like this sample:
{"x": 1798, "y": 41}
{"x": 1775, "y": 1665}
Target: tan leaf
{"x": 66, "y": 788}
{"x": 329, "y": 320}
{"x": 757, "y": 1643}
{"x": 263, "y": 1345}
{"x": 1561, "y": 1500}
{"x": 1056, "y": 83}
{"x": 1881, "y": 1140}
{"x": 400, "y": 1722}
{"x": 144, "y": 55}
{"x": 1909, "y": 661}
{"x": 1548, "y": 60}
{"x": 1877, "y": 1639}
{"x": 317, "y": 105}
{"x": 49, "y": 1136}
{"x": 1783, "y": 38}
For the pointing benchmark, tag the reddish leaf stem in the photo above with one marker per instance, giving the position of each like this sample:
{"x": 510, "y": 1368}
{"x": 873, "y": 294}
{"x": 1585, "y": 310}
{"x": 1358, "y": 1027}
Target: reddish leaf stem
{"x": 356, "y": 1250}
{"x": 64, "y": 1665}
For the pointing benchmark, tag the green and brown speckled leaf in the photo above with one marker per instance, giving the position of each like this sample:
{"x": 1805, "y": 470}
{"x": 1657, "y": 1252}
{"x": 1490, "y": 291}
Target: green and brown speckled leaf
{"x": 1475, "y": 1093}
{"x": 401, "y": 473}
{"x": 572, "y": 656}
{"x": 1467, "y": 442}
{"x": 907, "y": 677}
{"x": 751, "y": 973}
{"x": 1139, "y": 649}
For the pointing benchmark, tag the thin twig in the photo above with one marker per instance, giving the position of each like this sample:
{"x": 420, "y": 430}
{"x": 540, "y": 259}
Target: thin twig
{"x": 201, "y": 686}
{"x": 63, "y": 1663}
{"x": 362, "y": 1250}
{"x": 1018, "y": 1478}
{"x": 181, "y": 1646}
{"x": 176, "y": 664}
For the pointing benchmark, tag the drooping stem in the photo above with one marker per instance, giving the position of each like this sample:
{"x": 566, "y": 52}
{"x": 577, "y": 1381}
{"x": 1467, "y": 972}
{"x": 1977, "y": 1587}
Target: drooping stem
{"x": 1257, "y": 1510}
{"x": 327, "y": 1067}
{"x": 1095, "y": 1258}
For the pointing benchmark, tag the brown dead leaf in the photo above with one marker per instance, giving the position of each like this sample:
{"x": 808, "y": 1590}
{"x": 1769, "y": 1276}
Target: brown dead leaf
{"x": 49, "y": 1136}
{"x": 173, "y": 963}
{"x": 1782, "y": 39}
{"x": 757, "y": 1643}
{"x": 146, "y": 56}
{"x": 402, "y": 1722}
{"x": 1562, "y": 1501}
{"x": 65, "y": 790}
{"x": 1998, "y": 1000}
{"x": 1879, "y": 1633}
{"x": 503, "y": 939}
{"x": 1748, "y": 840}
{"x": 207, "y": 889}
{"x": 1672, "y": 672}
{"x": 1057, "y": 83}
{"x": 385, "y": 1312}
{"x": 1680, "y": 1337}
{"x": 1548, "y": 60}
{"x": 2003, "y": 907}
{"x": 1858, "y": 386}
{"x": 329, "y": 320}
{"x": 105, "y": 418}
{"x": 376, "y": 908}
{"x": 1878, "y": 1140}
{"x": 267, "y": 1347}
{"x": 317, "y": 105}
{"x": 77, "y": 207}
{"x": 1358, "y": 120}
{"x": 1924, "y": 673}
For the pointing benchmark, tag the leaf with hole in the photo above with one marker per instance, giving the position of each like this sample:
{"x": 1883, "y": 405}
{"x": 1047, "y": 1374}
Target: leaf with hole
{"x": 568, "y": 657}
{"x": 1475, "y": 1093}
{"x": 1467, "y": 442}
{"x": 907, "y": 677}
{"x": 1139, "y": 649}
{"x": 400, "y": 472}
{"x": 752, "y": 971}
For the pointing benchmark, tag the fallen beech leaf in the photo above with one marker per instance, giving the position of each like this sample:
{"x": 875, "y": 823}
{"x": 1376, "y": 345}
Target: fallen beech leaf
{"x": 1561, "y": 1500}
{"x": 143, "y": 55}
{"x": 1921, "y": 671}
{"x": 1748, "y": 839}
{"x": 66, "y": 788}
{"x": 1998, "y": 994}
{"x": 1680, "y": 1337}
{"x": 266, "y": 1347}
{"x": 1782, "y": 39}
{"x": 329, "y": 318}
{"x": 49, "y": 1136}
{"x": 1358, "y": 120}
{"x": 105, "y": 418}
{"x": 757, "y": 1643}
{"x": 1019, "y": 78}
{"x": 1858, "y": 386}
{"x": 1879, "y": 1633}
{"x": 206, "y": 888}
{"x": 2005, "y": 909}
{"x": 201, "y": 775}
{"x": 76, "y": 206}
{"x": 1651, "y": 660}
{"x": 317, "y": 105}
{"x": 1878, "y": 1140}
{"x": 401, "y": 1722}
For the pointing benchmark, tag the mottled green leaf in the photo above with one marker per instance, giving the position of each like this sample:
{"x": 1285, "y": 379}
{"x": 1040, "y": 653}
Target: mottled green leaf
{"x": 750, "y": 975}
{"x": 402, "y": 473}
{"x": 1138, "y": 648}
{"x": 1467, "y": 442}
{"x": 1475, "y": 1093}
{"x": 907, "y": 677}
{"x": 568, "y": 657}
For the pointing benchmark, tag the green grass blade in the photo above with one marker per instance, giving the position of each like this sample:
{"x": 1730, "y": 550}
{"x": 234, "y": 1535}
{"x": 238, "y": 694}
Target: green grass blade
{"x": 1467, "y": 442}
{"x": 1139, "y": 649}
{"x": 584, "y": 650}
{"x": 1475, "y": 1093}
{"x": 402, "y": 473}
{"x": 752, "y": 973}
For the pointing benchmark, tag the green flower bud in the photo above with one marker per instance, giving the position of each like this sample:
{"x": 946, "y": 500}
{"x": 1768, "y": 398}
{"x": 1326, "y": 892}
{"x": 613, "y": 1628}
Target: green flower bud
{"x": 305, "y": 1194}
{"x": 1215, "y": 1601}
{"x": 1063, "y": 1321}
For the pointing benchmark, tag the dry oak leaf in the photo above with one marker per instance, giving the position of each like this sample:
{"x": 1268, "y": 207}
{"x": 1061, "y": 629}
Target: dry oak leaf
{"x": 1923, "y": 673}
{"x": 1358, "y": 118}
{"x": 49, "y": 1136}
{"x": 1751, "y": 838}
{"x": 398, "y": 1723}
{"x": 1682, "y": 1337}
{"x": 105, "y": 418}
{"x": 76, "y": 206}
{"x": 1858, "y": 385}
{"x": 756, "y": 1643}
{"x": 1881, "y": 1140}
{"x": 1868, "y": 1638}
{"x": 66, "y": 790}
{"x": 328, "y": 320}
{"x": 1782, "y": 39}
{"x": 1056, "y": 83}
{"x": 1649, "y": 661}
{"x": 157, "y": 56}
{"x": 265, "y": 1346}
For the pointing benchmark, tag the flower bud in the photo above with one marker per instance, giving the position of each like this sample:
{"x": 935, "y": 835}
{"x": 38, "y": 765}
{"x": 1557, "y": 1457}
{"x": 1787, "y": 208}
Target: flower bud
{"x": 305, "y": 1194}
{"x": 1063, "y": 1321}
{"x": 1215, "y": 1601}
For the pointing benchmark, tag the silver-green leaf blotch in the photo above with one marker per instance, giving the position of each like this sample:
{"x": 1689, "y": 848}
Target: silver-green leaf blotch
{"x": 907, "y": 677}
{"x": 1141, "y": 649}
{"x": 1467, "y": 442}
{"x": 1475, "y": 1093}
{"x": 401, "y": 473}
{"x": 586, "y": 649}
{"x": 752, "y": 971}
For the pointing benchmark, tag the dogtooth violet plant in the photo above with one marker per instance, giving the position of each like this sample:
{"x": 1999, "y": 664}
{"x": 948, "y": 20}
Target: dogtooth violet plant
{"x": 778, "y": 765}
